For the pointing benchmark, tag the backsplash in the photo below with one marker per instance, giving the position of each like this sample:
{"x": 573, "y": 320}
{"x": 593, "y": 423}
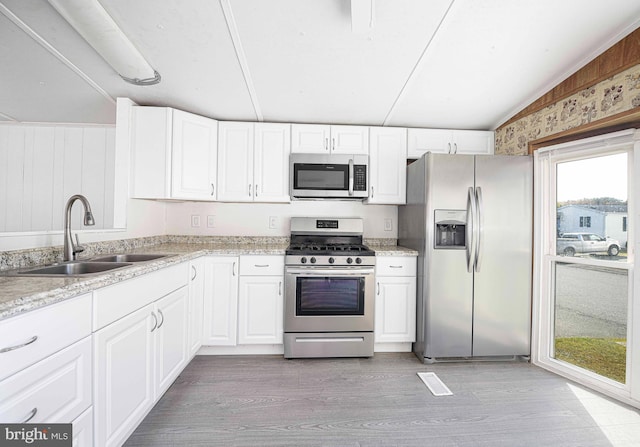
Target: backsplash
{"x": 49, "y": 255}
{"x": 609, "y": 97}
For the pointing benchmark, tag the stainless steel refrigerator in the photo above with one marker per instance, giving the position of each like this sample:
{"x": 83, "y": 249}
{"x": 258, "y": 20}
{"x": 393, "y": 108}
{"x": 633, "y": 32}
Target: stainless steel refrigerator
{"x": 470, "y": 218}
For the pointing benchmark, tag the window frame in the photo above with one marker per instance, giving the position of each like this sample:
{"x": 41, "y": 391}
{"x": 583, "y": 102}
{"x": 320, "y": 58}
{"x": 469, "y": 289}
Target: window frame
{"x": 545, "y": 258}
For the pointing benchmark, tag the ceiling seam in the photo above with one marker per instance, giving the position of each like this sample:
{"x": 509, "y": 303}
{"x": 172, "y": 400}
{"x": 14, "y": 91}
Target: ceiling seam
{"x": 414, "y": 71}
{"x": 241, "y": 56}
{"x": 8, "y": 117}
{"x": 51, "y": 49}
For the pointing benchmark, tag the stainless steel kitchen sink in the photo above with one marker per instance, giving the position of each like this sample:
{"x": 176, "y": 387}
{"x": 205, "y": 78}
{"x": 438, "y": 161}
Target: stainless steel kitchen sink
{"x": 74, "y": 268}
{"x": 130, "y": 257}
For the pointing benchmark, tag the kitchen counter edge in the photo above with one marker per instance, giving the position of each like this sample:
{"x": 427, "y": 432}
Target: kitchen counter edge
{"x": 20, "y": 295}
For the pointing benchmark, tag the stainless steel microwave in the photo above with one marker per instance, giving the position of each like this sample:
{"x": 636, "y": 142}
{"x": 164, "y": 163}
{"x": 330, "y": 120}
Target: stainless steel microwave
{"x": 336, "y": 176}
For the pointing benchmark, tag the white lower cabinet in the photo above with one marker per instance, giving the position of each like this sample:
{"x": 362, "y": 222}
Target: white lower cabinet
{"x": 137, "y": 356}
{"x": 196, "y": 306}
{"x": 56, "y": 389}
{"x": 220, "y": 301}
{"x": 395, "y": 312}
{"x": 243, "y": 300}
{"x": 124, "y": 368}
{"x": 260, "y": 310}
{"x": 83, "y": 429}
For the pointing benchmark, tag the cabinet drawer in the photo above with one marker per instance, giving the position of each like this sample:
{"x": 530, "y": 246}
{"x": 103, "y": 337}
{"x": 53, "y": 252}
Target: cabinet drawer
{"x": 396, "y": 265}
{"x": 114, "y": 302}
{"x": 56, "y": 389}
{"x": 32, "y": 336}
{"x": 261, "y": 265}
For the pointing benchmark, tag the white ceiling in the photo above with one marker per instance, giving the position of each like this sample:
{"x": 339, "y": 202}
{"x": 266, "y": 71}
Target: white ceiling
{"x": 467, "y": 64}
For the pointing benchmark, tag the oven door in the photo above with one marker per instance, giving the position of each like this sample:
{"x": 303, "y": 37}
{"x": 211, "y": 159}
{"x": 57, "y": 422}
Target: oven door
{"x": 319, "y": 299}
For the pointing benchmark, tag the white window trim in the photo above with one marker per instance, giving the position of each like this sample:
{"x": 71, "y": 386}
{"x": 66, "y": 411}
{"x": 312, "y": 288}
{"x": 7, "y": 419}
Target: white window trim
{"x": 544, "y": 258}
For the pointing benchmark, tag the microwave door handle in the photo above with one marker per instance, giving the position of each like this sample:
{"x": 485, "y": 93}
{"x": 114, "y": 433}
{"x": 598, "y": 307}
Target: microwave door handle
{"x": 351, "y": 177}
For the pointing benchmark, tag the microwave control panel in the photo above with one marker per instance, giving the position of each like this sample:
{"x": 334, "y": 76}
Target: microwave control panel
{"x": 360, "y": 178}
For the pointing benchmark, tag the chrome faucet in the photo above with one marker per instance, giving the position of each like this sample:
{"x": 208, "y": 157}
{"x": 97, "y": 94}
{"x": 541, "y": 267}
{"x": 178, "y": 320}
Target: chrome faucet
{"x": 71, "y": 248}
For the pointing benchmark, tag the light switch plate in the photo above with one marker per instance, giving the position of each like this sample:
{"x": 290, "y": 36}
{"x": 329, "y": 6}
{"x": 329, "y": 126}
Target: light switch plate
{"x": 388, "y": 224}
{"x": 195, "y": 220}
{"x": 211, "y": 221}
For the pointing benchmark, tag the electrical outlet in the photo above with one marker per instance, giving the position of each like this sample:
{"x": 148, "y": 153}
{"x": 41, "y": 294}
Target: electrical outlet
{"x": 195, "y": 220}
{"x": 273, "y": 222}
{"x": 211, "y": 221}
{"x": 388, "y": 224}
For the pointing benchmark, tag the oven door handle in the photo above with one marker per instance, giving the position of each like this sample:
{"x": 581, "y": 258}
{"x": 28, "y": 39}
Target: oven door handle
{"x": 314, "y": 271}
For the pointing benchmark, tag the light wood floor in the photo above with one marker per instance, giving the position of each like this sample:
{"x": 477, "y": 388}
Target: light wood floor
{"x": 269, "y": 401}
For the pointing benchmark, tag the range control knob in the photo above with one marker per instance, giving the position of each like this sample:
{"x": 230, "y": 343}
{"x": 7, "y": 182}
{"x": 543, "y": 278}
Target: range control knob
{"x": 303, "y": 260}
{"x": 331, "y": 260}
{"x": 349, "y": 261}
{"x": 358, "y": 261}
{"x": 313, "y": 260}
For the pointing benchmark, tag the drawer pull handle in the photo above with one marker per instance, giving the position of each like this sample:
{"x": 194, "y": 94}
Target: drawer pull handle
{"x": 261, "y": 265}
{"x": 155, "y": 318}
{"x": 395, "y": 266}
{"x": 26, "y": 343}
{"x": 279, "y": 288}
{"x": 234, "y": 269}
{"x": 195, "y": 272}
{"x": 30, "y": 416}
{"x": 378, "y": 289}
{"x": 162, "y": 315}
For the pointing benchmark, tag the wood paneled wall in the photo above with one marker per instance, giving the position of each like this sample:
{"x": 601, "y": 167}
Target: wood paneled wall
{"x": 42, "y": 166}
{"x": 623, "y": 55}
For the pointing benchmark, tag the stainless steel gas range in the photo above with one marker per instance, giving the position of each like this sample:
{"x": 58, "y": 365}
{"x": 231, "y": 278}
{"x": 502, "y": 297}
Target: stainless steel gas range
{"x": 329, "y": 289}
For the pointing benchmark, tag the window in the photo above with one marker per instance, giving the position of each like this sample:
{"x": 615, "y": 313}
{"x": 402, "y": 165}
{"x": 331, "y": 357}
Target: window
{"x": 584, "y": 297}
{"x": 585, "y": 221}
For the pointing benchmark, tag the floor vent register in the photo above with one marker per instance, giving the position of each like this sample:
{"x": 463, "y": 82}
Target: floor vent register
{"x": 435, "y": 385}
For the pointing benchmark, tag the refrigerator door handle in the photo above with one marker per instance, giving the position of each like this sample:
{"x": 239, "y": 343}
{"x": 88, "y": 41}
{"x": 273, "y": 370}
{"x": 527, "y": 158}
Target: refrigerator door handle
{"x": 469, "y": 230}
{"x": 480, "y": 226}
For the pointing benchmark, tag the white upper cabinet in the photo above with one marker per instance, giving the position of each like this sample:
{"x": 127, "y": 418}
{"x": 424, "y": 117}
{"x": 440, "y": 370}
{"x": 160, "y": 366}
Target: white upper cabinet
{"x": 253, "y": 162}
{"x": 173, "y": 154}
{"x": 271, "y": 162}
{"x": 325, "y": 139}
{"x": 387, "y": 165}
{"x": 447, "y": 141}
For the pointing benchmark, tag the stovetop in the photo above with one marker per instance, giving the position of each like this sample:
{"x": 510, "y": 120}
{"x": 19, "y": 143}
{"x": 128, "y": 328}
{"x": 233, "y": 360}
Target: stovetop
{"x": 329, "y": 249}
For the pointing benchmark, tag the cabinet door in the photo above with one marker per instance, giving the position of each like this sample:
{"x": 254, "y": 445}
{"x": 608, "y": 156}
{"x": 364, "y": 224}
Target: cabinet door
{"x": 235, "y": 162}
{"x": 196, "y": 306}
{"x": 388, "y": 166}
{"x": 56, "y": 389}
{"x": 271, "y": 162}
{"x": 193, "y": 159}
{"x": 310, "y": 138}
{"x": 171, "y": 338}
{"x": 123, "y": 376}
{"x": 150, "y": 152}
{"x": 83, "y": 429}
{"x": 395, "y": 312}
{"x": 260, "y": 308}
{"x": 350, "y": 140}
{"x": 420, "y": 141}
{"x": 220, "y": 301}
{"x": 473, "y": 142}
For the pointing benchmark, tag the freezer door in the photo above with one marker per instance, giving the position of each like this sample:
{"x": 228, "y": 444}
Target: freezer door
{"x": 502, "y": 283}
{"x": 448, "y": 285}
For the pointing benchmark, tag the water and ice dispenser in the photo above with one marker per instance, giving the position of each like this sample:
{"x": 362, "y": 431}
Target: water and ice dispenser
{"x": 450, "y": 229}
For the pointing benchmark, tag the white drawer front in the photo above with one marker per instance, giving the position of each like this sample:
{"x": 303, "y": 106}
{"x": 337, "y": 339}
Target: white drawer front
{"x": 114, "y": 302}
{"x": 396, "y": 265}
{"x": 32, "y": 336}
{"x": 261, "y": 265}
{"x": 57, "y": 389}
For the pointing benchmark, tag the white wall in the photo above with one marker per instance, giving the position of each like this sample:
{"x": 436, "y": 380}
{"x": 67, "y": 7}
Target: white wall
{"x": 144, "y": 218}
{"x": 252, "y": 219}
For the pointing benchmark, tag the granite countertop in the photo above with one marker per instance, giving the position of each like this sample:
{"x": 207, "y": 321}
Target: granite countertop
{"x": 22, "y": 294}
